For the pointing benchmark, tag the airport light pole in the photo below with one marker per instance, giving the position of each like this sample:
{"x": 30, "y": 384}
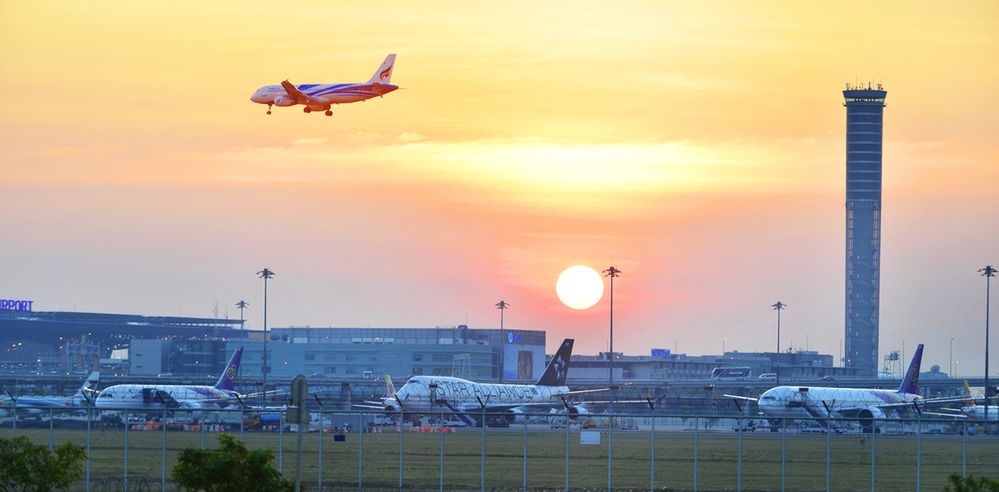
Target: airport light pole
{"x": 241, "y": 305}
{"x": 613, "y": 273}
{"x": 502, "y": 306}
{"x": 780, "y": 306}
{"x": 265, "y": 274}
{"x": 950, "y": 360}
{"x": 988, "y": 272}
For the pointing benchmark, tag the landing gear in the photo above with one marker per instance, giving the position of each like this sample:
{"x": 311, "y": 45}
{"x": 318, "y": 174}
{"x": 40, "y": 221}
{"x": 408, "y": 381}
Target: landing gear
{"x": 329, "y": 113}
{"x": 307, "y": 109}
{"x": 269, "y": 109}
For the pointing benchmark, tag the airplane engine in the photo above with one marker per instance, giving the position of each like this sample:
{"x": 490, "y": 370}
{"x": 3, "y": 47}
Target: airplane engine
{"x": 576, "y": 410}
{"x": 514, "y": 416}
{"x": 871, "y": 419}
{"x": 284, "y": 101}
{"x": 392, "y": 408}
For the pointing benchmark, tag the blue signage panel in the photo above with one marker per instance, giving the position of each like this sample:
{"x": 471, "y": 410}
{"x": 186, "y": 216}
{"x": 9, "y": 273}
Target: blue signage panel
{"x": 663, "y": 353}
{"x": 15, "y": 305}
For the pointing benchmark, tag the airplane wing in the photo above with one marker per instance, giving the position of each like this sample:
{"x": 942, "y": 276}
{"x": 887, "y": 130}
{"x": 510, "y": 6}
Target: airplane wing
{"x": 300, "y": 97}
{"x": 739, "y": 397}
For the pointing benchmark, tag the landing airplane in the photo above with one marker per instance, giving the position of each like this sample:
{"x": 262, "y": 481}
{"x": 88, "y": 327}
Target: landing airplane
{"x": 320, "y": 97}
{"x": 37, "y": 405}
{"x": 869, "y": 406}
{"x": 466, "y": 399}
{"x": 175, "y": 396}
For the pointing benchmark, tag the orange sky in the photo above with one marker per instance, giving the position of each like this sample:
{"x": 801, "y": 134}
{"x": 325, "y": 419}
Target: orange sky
{"x": 697, "y": 147}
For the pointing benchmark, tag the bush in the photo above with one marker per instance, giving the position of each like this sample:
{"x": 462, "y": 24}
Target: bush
{"x": 971, "y": 485}
{"x": 230, "y": 468}
{"x": 25, "y": 466}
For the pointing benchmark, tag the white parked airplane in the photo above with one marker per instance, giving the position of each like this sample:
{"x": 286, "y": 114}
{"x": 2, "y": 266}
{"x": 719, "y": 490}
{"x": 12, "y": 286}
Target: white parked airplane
{"x": 173, "y": 396}
{"x": 466, "y": 399}
{"x": 974, "y": 411}
{"x": 320, "y": 97}
{"x": 868, "y": 406}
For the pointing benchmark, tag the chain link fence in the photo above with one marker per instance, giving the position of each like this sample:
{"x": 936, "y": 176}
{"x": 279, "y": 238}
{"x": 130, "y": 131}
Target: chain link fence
{"x": 137, "y": 449}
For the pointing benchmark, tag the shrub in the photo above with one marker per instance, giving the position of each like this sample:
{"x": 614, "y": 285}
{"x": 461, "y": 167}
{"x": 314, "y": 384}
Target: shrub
{"x": 971, "y": 485}
{"x": 230, "y": 468}
{"x": 25, "y": 466}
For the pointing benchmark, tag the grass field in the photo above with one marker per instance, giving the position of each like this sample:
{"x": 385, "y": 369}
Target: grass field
{"x": 674, "y": 466}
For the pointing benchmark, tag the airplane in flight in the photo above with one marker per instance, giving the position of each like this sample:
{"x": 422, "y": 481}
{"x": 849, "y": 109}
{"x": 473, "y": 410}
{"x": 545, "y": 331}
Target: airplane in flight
{"x": 38, "y": 405}
{"x": 175, "y": 396}
{"x": 467, "y": 399}
{"x": 869, "y": 406}
{"x": 321, "y": 97}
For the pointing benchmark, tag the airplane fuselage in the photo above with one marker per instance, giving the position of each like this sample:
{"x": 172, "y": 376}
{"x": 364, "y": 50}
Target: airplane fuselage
{"x": 141, "y": 396}
{"x": 324, "y": 94}
{"x": 464, "y": 395}
{"x": 791, "y": 402}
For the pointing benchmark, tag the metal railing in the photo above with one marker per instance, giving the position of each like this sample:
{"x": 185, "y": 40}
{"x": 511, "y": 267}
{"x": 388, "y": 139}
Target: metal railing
{"x": 130, "y": 449}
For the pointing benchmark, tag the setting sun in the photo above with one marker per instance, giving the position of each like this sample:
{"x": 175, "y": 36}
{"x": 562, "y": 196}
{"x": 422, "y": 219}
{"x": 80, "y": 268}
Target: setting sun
{"x": 579, "y": 287}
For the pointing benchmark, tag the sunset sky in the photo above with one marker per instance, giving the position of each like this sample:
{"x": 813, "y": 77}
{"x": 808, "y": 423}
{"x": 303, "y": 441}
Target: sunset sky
{"x": 699, "y": 147}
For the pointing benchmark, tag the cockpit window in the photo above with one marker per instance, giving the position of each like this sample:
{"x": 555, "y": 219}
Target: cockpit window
{"x": 771, "y": 397}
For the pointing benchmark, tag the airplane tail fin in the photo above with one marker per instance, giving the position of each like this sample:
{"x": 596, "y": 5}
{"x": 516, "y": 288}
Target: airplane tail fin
{"x": 558, "y": 368}
{"x": 967, "y": 391}
{"x": 227, "y": 381}
{"x": 389, "y": 387}
{"x": 910, "y": 383}
{"x": 88, "y": 386}
{"x": 384, "y": 73}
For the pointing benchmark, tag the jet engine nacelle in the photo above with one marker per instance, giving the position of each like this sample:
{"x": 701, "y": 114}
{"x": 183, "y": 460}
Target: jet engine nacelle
{"x": 871, "y": 419}
{"x": 514, "y": 416}
{"x": 284, "y": 101}
{"x": 576, "y": 410}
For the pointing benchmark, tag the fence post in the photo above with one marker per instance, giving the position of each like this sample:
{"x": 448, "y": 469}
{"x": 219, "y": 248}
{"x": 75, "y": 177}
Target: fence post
{"x": 163, "y": 452}
{"x": 829, "y": 432}
{"x": 440, "y": 420}
{"x": 281, "y": 443}
{"x": 738, "y": 478}
{"x": 402, "y": 438}
{"x": 783, "y": 452}
{"x": 964, "y": 450}
{"x": 524, "y": 473}
{"x": 322, "y": 430}
{"x": 51, "y": 429}
{"x": 874, "y": 445}
{"x": 697, "y": 424}
{"x": 610, "y": 451}
{"x": 125, "y": 478}
{"x": 360, "y": 453}
{"x": 566, "y": 448}
{"x": 242, "y": 420}
{"x": 482, "y": 451}
{"x": 201, "y": 426}
{"x": 919, "y": 449}
{"x": 13, "y": 427}
{"x": 652, "y": 457}
{"x": 89, "y": 411}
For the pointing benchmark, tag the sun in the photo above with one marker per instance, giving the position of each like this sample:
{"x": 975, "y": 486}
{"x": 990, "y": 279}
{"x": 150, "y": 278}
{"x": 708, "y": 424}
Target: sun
{"x": 579, "y": 287}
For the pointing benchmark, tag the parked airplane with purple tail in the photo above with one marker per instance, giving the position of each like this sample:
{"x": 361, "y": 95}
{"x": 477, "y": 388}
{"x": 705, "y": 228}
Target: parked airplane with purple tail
{"x": 172, "y": 396}
{"x": 869, "y": 406}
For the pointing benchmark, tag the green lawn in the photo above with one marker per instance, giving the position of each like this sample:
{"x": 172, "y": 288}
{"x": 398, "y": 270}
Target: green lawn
{"x": 717, "y": 459}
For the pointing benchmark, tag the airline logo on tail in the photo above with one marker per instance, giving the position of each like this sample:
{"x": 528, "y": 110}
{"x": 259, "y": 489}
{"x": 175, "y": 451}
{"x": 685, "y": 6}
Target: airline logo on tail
{"x": 558, "y": 368}
{"x": 228, "y": 379}
{"x": 385, "y": 73}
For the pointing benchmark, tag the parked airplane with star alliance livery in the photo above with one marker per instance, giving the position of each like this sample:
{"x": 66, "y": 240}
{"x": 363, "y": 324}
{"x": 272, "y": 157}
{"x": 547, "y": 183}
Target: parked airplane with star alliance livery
{"x": 467, "y": 399}
{"x": 321, "y": 97}
{"x": 172, "y": 396}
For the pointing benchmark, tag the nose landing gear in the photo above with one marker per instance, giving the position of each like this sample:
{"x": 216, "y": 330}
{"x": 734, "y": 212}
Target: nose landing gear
{"x": 307, "y": 109}
{"x": 269, "y": 108}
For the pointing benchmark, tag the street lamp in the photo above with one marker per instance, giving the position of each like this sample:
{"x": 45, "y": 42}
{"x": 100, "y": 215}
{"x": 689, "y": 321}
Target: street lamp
{"x": 502, "y": 306}
{"x": 950, "y": 360}
{"x": 780, "y": 306}
{"x": 265, "y": 274}
{"x": 988, "y": 272}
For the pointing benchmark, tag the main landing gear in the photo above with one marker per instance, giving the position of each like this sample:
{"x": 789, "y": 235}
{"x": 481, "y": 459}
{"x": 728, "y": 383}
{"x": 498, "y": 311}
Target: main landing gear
{"x": 307, "y": 109}
{"x": 329, "y": 113}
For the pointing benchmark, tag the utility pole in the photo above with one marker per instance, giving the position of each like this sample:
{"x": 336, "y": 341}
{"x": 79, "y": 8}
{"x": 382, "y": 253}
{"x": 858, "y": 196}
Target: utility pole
{"x": 265, "y": 274}
{"x": 502, "y": 306}
{"x": 780, "y": 306}
{"x": 988, "y": 272}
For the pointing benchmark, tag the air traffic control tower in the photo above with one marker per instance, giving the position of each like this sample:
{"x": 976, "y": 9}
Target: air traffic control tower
{"x": 864, "y": 117}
